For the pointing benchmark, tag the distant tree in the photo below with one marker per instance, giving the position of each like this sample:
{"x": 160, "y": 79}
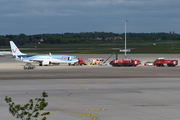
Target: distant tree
{"x": 164, "y": 37}
{"x": 173, "y": 37}
{"x": 30, "y": 110}
{"x": 21, "y": 41}
{"x": 76, "y": 36}
{"x": 58, "y": 40}
{"x": 22, "y": 36}
{"x": 178, "y": 37}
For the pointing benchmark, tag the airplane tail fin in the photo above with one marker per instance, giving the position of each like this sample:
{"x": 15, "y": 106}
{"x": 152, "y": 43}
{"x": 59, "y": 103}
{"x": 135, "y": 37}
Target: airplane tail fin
{"x": 15, "y": 51}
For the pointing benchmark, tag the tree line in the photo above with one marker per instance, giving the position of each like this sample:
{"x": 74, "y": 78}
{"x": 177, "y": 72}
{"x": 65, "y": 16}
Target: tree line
{"x": 85, "y": 37}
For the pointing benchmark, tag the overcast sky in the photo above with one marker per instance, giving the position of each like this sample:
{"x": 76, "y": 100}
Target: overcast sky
{"x": 60, "y": 16}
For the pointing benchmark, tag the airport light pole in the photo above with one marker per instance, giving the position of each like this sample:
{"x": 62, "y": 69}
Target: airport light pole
{"x": 125, "y": 36}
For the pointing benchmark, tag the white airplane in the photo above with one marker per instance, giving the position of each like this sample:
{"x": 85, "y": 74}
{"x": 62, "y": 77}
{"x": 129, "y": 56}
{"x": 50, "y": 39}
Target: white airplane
{"x": 3, "y": 53}
{"x": 41, "y": 59}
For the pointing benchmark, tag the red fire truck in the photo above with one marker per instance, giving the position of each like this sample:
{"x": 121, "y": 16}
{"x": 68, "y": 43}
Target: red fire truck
{"x": 80, "y": 62}
{"x": 161, "y": 62}
{"x": 125, "y": 62}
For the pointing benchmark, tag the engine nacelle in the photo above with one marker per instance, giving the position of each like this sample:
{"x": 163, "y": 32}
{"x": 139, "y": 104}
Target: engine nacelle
{"x": 45, "y": 63}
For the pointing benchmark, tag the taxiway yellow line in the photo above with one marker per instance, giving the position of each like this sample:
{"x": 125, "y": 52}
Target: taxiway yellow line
{"x": 101, "y": 83}
{"x": 95, "y": 109}
{"x": 36, "y": 75}
{"x": 162, "y": 74}
{"x": 82, "y": 114}
{"x": 92, "y": 115}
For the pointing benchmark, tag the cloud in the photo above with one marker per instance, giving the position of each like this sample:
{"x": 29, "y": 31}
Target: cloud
{"x": 91, "y": 14}
{"x": 82, "y": 7}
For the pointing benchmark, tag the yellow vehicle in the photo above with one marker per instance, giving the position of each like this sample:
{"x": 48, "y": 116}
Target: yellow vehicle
{"x": 95, "y": 61}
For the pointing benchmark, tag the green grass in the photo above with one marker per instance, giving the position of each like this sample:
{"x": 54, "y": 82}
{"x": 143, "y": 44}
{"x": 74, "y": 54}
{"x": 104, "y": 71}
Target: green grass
{"x": 161, "y": 47}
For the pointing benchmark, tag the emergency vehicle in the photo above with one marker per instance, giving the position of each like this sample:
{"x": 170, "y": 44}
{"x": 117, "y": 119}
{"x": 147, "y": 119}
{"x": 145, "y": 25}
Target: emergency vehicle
{"x": 161, "y": 62}
{"x": 95, "y": 61}
{"x": 124, "y": 62}
{"x": 79, "y": 62}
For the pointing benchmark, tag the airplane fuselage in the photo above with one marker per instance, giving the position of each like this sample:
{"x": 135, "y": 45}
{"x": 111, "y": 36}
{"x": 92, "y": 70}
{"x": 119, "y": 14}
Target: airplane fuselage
{"x": 48, "y": 58}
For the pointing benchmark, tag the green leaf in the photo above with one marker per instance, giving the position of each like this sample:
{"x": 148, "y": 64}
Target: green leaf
{"x": 26, "y": 112}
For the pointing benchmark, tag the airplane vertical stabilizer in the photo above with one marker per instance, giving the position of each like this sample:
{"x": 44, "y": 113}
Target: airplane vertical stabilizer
{"x": 14, "y": 49}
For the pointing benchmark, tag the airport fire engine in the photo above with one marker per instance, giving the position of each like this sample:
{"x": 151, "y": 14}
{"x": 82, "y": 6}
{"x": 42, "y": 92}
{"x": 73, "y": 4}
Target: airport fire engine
{"x": 161, "y": 62}
{"x": 80, "y": 62}
{"x": 124, "y": 62}
{"x": 95, "y": 61}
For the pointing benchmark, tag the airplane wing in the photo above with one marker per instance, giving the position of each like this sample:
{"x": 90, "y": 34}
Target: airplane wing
{"x": 5, "y": 53}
